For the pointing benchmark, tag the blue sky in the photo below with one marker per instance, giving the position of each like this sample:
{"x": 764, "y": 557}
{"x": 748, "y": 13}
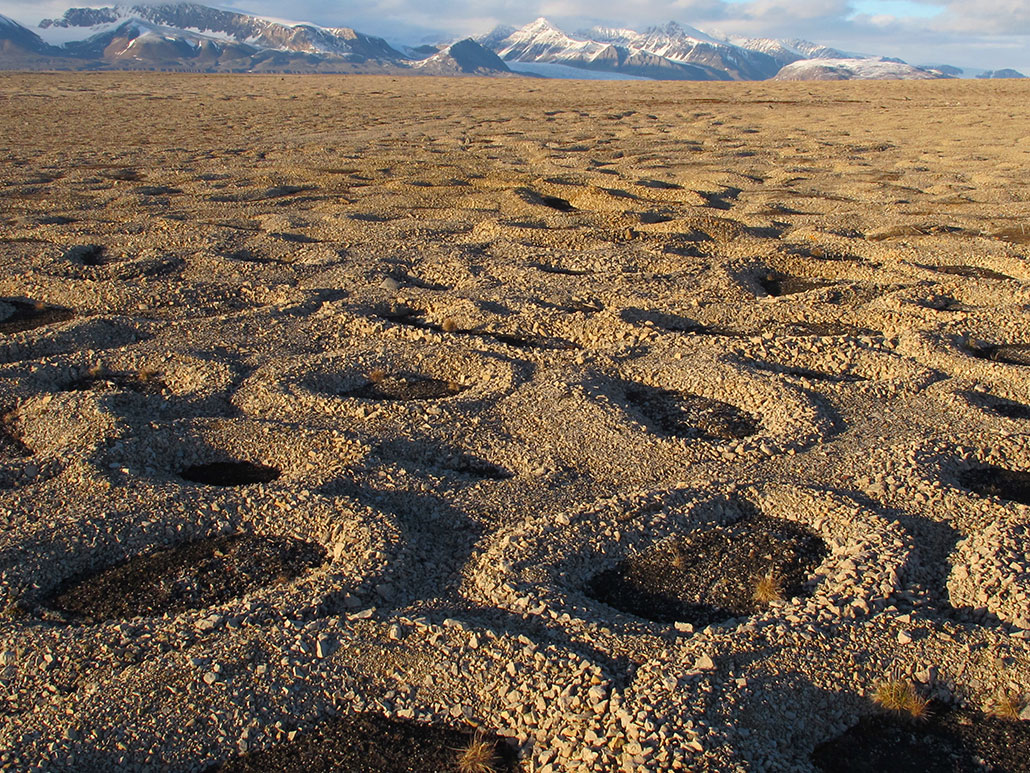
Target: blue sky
{"x": 987, "y": 34}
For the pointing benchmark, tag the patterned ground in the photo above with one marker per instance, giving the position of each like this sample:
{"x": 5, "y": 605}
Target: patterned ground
{"x": 469, "y": 345}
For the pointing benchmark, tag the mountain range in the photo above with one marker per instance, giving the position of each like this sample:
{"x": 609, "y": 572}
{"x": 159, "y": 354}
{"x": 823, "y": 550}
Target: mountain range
{"x": 192, "y": 37}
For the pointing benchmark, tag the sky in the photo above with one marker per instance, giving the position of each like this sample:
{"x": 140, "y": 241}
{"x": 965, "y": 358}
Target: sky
{"x": 985, "y": 34}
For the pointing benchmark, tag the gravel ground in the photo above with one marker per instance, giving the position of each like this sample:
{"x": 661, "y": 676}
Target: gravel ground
{"x": 327, "y": 400}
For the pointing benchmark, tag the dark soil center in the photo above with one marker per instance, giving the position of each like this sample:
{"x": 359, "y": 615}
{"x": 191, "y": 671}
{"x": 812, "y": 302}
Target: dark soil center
{"x": 973, "y": 272}
{"x": 709, "y": 576}
{"x": 811, "y": 375}
{"x": 230, "y": 473}
{"x": 190, "y": 576}
{"x": 1012, "y": 354}
{"x": 406, "y": 388}
{"x": 88, "y": 255}
{"x": 143, "y": 382}
{"x": 29, "y": 316}
{"x": 1013, "y": 485}
{"x": 11, "y": 445}
{"x": 778, "y": 285}
{"x": 943, "y": 743}
{"x": 371, "y": 743}
{"x": 680, "y": 414}
{"x": 1002, "y": 407}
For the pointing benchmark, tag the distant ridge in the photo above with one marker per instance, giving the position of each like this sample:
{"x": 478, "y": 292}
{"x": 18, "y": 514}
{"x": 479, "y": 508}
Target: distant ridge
{"x": 188, "y": 36}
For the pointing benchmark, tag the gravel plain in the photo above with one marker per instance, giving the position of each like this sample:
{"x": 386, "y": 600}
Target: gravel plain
{"x": 465, "y": 345}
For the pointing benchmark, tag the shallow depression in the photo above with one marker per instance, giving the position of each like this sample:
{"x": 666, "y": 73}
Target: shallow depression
{"x": 193, "y": 575}
{"x": 708, "y": 576}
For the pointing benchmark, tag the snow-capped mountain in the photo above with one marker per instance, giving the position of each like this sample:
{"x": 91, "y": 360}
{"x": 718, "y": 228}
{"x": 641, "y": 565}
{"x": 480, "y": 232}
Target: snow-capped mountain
{"x": 678, "y": 52}
{"x": 16, "y": 38}
{"x": 542, "y": 42}
{"x": 687, "y": 45}
{"x": 90, "y": 32}
{"x": 854, "y": 69}
{"x": 786, "y": 52}
{"x": 464, "y": 57}
{"x": 189, "y": 36}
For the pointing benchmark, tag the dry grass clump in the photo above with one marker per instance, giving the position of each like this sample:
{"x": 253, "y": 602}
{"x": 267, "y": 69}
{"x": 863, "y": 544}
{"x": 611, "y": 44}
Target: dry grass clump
{"x": 900, "y": 697}
{"x": 146, "y": 375}
{"x": 479, "y": 756}
{"x": 1007, "y": 705}
{"x": 768, "y": 588}
{"x": 97, "y": 371}
{"x": 377, "y": 376}
{"x": 450, "y": 325}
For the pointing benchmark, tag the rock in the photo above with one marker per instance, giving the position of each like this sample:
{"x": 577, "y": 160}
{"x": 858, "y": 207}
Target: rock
{"x": 390, "y": 284}
{"x": 704, "y": 663}
{"x": 904, "y": 637}
{"x": 324, "y": 646}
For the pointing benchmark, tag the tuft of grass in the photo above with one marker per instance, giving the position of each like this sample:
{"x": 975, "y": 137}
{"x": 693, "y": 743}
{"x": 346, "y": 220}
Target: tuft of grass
{"x": 377, "y": 376}
{"x": 97, "y": 371}
{"x": 679, "y": 558}
{"x": 450, "y": 325}
{"x": 900, "y": 697}
{"x": 479, "y": 756}
{"x": 146, "y": 374}
{"x": 768, "y": 588}
{"x": 1007, "y": 705}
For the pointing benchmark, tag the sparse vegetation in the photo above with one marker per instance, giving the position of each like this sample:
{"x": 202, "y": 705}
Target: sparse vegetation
{"x": 146, "y": 374}
{"x": 900, "y": 697}
{"x": 1008, "y": 704}
{"x": 769, "y": 587}
{"x": 479, "y": 756}
{"x": 377, "y": 376}
{"x": 450, "y": 325}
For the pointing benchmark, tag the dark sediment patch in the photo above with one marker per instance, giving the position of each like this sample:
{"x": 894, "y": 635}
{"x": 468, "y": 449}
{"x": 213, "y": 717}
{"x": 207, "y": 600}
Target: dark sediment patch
{"x": 539, "y": 199}
{"x": 157, "y": 190}
{"x": 1002, "y": 407}
{"x": 551, "y": 269}
{"x": 1010, "y": 354}
{"x": 275, "y": 192}
{"x": 29, "y": 316}
{"x": 372, "y": 743}
{"x": 823, "y": 253}
{"x": 709, "y": 576}
{"x": 659, "y": 185}
{"x": 249, "y": 256}
{"x": 295, "y": 238}
{"x": 11, "y": 444}
{"x": 972, "y": 272}
{"x": 1013, "y": 485}
{"x": 672, "y": 323}
{"x": 230, "y": 474}
{"x": 402, "y": 388}
{"x": 530, "y": 342}
{"x": 143, "y": 382}
{"x": 778, "y": 285}
{"x": 367, "y": 217}
{"x": 193, "y": 575}
{"x": 680, "y": 414}
{"x": 808, "y": 374}
{"x": 89, "y": 255}
{"x": 722, "y": 200}
{"x": 474, "y": 467}
{"x": 1016, "y": 235}
{"x": 826, "y": 330}
{"x": 944, "y": 742}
